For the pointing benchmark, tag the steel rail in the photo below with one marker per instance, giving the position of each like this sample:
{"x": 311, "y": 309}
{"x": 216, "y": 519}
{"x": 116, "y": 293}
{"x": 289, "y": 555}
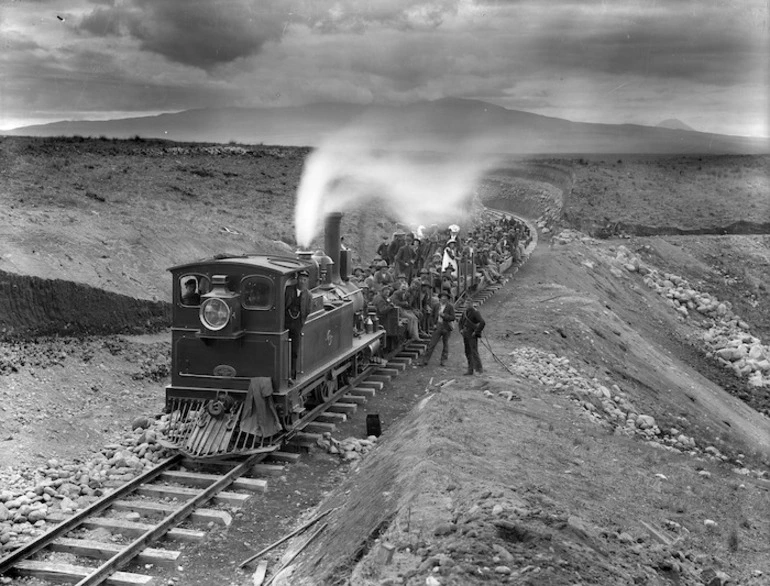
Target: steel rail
{"x": 34, "y": 546}
{"x": 131, "y": 550}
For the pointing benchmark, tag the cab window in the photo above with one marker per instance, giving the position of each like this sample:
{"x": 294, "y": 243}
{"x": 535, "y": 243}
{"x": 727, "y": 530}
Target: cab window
{"x": 257, "y": 293}
{"x": 191, "y": 287}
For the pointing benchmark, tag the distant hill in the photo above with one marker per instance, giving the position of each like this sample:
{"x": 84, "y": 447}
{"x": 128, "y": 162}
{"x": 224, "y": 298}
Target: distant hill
{"x": 421, "y": 125}
{"x": 674, "y": 124}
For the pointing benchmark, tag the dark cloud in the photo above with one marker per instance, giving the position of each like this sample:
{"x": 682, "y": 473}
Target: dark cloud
{"x": 704, "y": 46}
{"x": 199, "y": 33}
{"x": 48, "y": 87}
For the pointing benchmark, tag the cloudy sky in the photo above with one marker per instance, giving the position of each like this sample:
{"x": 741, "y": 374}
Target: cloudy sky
{"x": 704, "y": 62}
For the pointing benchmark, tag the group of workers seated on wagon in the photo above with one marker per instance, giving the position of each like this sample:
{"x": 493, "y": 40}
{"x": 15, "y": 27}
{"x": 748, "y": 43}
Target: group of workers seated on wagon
{"x": 413, "y": 269}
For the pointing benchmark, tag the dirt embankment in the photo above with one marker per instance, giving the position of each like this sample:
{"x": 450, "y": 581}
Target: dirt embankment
{"x": 31, "y": 307}
{"x": 558, "y": 488}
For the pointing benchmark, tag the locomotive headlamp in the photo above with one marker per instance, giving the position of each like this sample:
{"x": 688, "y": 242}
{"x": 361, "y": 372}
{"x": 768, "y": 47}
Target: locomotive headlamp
{"x": 215, "y": 314}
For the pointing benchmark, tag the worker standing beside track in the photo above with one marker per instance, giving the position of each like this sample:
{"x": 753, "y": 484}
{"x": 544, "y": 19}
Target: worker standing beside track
{"x": 471, "y": 326}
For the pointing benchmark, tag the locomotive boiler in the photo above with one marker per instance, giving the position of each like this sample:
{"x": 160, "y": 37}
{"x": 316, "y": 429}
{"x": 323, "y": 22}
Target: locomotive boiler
{"x": 231, "y": 392}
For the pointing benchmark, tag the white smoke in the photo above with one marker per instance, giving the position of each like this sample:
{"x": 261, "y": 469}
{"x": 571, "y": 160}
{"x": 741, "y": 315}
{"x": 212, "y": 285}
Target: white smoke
{"x": 410, "y": 167}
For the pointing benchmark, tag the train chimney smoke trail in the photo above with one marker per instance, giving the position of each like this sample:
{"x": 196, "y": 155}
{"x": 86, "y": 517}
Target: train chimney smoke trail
{"x": 421, "y": 179}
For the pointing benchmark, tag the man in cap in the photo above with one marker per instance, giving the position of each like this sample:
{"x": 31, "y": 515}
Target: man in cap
{"x": 382, "y": 303}
{"x": 298, "y": 301}
{"x": 405, "y": 258}
{"x": 471, "y": 326}
{"x": 382, "y": 250}
{"x": 358, "y": 276}
{"x": 446, "y": 317}
{"x": 399, "y": 238}
{"x": 382, "y": 277}
{"x": 368, "y": 295}
{"x": 429, "y": 309}
{"x": 402, "y": 299}
{"x": 190, "y": 296}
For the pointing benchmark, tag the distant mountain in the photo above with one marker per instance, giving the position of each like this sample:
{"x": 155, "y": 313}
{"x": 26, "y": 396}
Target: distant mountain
{"x": 433, "y": 125}
{"x": 674, "y": 124}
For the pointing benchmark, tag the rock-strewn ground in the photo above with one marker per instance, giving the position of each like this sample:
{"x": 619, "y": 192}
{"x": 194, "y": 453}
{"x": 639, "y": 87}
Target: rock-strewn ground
{"x": 618, "y": 439}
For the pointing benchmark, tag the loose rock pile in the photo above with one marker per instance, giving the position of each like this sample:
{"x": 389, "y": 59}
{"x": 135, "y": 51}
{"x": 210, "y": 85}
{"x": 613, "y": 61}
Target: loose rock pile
{"x": 350, "y": 449}
{"x": 34, "y": 496}
{"x": 727, "y": 337}
{"x": 610, "y": 405}
{"x": 605, "y": 405}
{"x": 152, "y": 360}
{"x": 568, "y": 235}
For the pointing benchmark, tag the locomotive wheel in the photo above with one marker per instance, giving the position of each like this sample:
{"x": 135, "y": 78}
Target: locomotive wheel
{"x": 326, "y": 390}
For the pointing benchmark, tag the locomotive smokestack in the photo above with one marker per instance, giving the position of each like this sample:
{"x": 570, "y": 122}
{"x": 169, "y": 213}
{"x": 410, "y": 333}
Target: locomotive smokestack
{"x": 332, "y": 242}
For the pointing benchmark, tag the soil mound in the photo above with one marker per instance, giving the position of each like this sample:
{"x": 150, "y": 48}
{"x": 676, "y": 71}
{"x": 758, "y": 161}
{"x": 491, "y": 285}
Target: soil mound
{"x": 31, "y": 307}
{"x": 621, "y": 463}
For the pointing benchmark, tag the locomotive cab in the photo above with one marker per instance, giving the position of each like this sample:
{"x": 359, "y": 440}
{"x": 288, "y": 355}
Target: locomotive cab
{"x": 237, "y": 326}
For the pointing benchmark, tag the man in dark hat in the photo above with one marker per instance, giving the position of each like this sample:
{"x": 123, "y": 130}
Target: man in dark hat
{"x": 471, "y": 326}
{"x": 382, "y": 250}
{"x": 382, "y": 303}
{"x": 405, "y": 258}
{"x": 358, "y": 276}
{"x": 402, "y": 299}
{"x": 190, "y": 296}
{"x": 399, "y": 239}
{"x": 429, "y": 308}
{"x": 446, "y": 317}
{"x": 382, "y": 277}
{"x": 297, "y": 303}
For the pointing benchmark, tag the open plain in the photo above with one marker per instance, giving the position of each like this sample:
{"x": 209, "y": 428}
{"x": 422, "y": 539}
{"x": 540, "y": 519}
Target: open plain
{"x": 614, "y": 437}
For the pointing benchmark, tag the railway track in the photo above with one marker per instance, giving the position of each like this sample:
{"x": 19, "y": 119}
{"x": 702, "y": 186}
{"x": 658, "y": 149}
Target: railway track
{"x": 151, "y": 507}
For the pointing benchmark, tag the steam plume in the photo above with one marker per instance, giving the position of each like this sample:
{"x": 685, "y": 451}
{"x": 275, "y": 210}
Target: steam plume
{"x": 411, "y": 165}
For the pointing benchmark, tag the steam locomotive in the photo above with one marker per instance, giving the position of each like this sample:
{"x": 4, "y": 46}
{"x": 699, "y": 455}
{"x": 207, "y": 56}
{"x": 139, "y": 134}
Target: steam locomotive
{"x": 231, "y": 391}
